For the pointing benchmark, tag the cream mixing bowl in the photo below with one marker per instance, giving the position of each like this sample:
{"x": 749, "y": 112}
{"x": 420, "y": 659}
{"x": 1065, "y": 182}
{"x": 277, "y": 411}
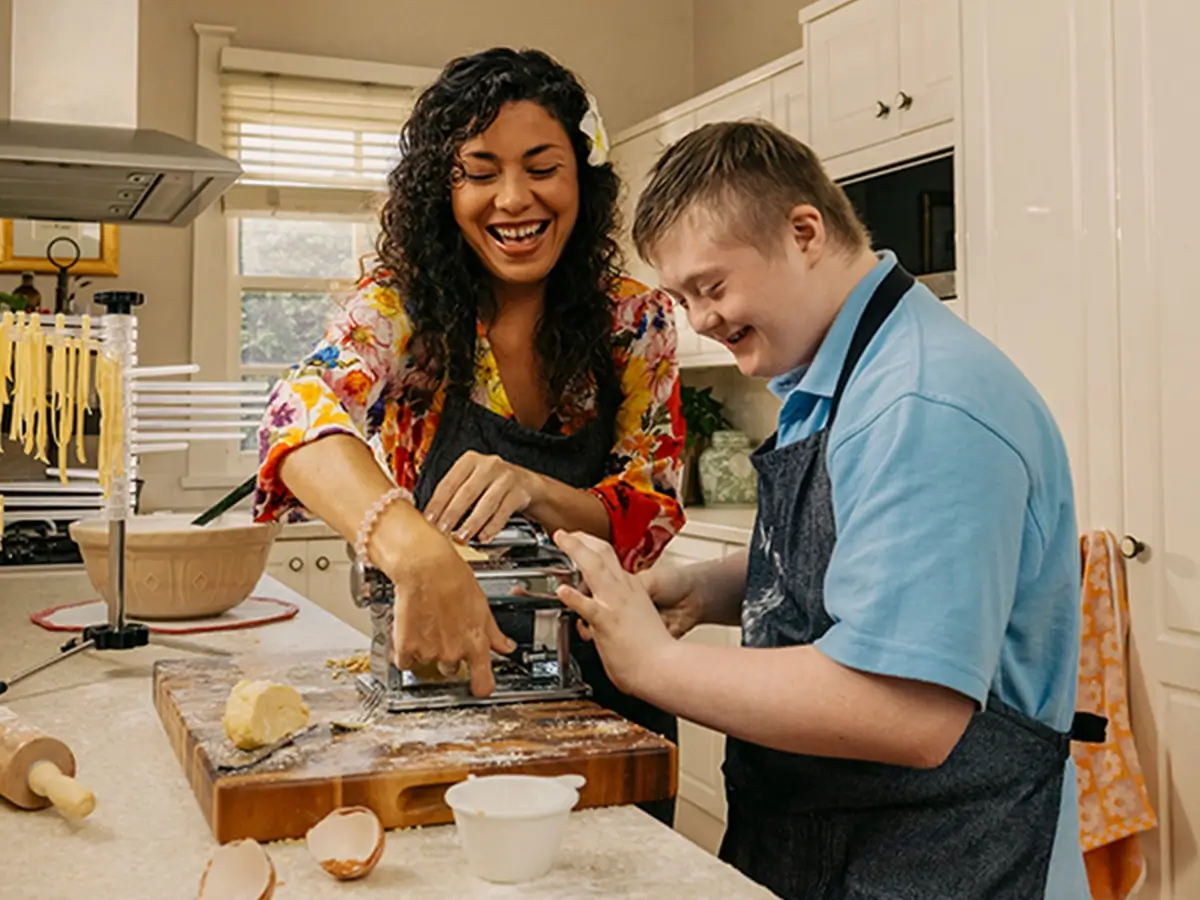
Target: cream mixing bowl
{"x": 176, "y": 570}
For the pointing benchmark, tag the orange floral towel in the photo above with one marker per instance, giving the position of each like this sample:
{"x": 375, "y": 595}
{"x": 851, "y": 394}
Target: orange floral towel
{"x": 1114, "y": 806}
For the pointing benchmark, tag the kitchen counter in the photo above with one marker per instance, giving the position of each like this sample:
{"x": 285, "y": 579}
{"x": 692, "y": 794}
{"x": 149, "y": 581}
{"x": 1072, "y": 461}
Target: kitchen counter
{"x": 148, "y": 839}
{"x": 733, "y": 524}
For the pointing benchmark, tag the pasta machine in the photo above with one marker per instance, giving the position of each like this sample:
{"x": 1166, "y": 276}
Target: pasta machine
{"x": 519, "y": 572}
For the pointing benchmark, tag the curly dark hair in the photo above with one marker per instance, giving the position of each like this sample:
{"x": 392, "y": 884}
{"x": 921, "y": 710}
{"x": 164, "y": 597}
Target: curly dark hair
{"x": 444, "y": 286}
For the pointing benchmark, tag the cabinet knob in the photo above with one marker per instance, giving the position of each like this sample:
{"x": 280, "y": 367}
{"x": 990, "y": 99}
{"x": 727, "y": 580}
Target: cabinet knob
{"x": 903, "y": 100}
{"x": 1131, "y": 547}
{"x": 322, "y": 563}
{"x": 295, "y": 564}
{"x": 882, "y": 109}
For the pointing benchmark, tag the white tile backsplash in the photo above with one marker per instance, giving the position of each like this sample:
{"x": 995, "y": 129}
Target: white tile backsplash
{"x": 748, "y": 404}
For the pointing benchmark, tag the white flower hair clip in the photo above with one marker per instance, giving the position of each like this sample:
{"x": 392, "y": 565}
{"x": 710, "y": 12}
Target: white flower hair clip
{"x": 593, "y": 126}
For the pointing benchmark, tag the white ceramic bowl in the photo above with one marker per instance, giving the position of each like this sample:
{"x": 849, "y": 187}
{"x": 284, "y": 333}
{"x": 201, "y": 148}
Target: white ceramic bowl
{"x": 176, "y": 570}
{"x": 511, "y": 826}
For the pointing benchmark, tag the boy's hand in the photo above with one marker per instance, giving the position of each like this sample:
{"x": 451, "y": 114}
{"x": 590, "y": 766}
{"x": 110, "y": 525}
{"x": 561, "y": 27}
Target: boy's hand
{"x": 677, "y": 596}
{"x": 622, "y": 619}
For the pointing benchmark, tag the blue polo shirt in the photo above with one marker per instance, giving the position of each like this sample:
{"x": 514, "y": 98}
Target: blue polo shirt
{"x": 957, "y": 556}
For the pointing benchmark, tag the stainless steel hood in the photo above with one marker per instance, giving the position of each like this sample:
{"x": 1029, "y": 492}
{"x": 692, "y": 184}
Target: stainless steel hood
{"x": 89, "y": 173}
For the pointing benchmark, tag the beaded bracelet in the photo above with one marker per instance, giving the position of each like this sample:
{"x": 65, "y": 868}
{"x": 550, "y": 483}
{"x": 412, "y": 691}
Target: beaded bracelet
{"x": 372, "y": 517}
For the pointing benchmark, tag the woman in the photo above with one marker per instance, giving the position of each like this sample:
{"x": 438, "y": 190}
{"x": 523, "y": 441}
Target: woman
{"x": 496, "y": 361}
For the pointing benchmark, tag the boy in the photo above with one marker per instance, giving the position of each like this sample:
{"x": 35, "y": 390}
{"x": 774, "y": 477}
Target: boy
{"x": 899, "y": 714}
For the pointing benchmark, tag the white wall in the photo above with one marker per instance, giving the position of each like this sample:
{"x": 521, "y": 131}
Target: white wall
{"x": 735, "y": 36}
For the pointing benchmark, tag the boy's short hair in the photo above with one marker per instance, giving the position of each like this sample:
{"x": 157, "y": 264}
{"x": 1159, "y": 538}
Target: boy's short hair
{"x": 750, "y": 173}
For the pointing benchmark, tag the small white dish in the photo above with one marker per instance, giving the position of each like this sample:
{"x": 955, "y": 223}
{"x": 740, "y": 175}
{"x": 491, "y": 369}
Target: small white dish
{"x": 511, "y": 826}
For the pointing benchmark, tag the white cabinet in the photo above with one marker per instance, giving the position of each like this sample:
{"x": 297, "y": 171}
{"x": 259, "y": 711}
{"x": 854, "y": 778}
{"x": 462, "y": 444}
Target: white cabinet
{"x": 789, "y": 101}
{"x": 633, "y": 158}
{"x": 853, "y": 61}
{"x": 701, "y": 811}
{"x": 1159, "y": 193}
{"x": 879, "y": 69}
{"x": 319, "y": 569}
{"x": 928, "y": 90}
{"x": 752, "y": 102}
{"x": 776, "y": 93}
{"x": 1100, "y": 313}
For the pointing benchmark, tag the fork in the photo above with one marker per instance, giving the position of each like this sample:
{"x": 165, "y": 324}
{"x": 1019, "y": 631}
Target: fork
{"x": 368, "y": 706}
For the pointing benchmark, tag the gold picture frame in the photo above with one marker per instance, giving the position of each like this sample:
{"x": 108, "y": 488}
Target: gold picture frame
{"x": 20, "y": 238}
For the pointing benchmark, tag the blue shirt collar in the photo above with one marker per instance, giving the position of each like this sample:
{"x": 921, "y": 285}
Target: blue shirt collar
{"x": 819, "y": 378}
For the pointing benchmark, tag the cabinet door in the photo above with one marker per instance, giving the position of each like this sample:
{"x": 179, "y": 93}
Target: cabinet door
{"x": 753, "y": 102}
{"x": 329, "y": 583}
{"x": 789, "y": 101}
{"x": 1159, "y": 191}
{"x": 633, "y": 160}
{"x": 1051, "y": 204}
{"x": 854, "y": 76}
{"x": 701, "y": 750}
{"x": 928, "y": 92}
{"x": 288, "y": 563}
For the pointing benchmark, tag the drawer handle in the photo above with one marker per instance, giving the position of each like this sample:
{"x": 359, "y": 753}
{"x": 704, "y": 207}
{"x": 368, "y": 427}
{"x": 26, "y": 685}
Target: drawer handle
{"x": 882, "y": 110}
{"x": 295, "y": 564}
{"x": 903, "y": 100}
{"x": 322, "y": 563}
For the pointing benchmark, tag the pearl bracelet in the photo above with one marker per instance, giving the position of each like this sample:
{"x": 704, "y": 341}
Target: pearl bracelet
{"x": 372, "y": 517}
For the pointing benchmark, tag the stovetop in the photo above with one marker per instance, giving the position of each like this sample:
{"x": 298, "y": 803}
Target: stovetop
{"x": 38, "y": 543}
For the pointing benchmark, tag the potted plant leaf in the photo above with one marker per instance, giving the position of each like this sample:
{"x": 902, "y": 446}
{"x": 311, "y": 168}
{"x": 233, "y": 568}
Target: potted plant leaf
{"x": 704, "y": 415}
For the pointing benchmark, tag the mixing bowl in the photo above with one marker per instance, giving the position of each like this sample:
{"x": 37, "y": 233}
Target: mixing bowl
{"x": 176, "y": 570}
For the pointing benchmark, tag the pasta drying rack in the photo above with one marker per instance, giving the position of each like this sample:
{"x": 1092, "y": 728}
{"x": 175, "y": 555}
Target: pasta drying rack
{"x": 143, "y": 416}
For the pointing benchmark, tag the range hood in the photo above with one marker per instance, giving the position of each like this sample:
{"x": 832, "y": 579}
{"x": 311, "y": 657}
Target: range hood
{"x": 92, "y": 173}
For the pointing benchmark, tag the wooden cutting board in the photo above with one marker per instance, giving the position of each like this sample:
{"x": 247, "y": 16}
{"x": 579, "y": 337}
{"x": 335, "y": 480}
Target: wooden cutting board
{"x": 402, "y": 765}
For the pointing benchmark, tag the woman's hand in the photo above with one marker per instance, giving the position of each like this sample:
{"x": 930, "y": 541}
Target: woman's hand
{"x": 441, "y": 613}
{"x": 482, "y": 493}
{"x": 621, "y": 617}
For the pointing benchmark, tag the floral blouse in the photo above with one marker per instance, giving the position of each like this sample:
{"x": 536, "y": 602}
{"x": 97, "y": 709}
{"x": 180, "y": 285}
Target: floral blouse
{"x": 362, "y": 380}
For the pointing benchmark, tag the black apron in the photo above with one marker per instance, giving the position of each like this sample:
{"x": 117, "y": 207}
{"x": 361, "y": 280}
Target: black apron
{"x": 982, "y": 825}
{"x": 579, "y": 460}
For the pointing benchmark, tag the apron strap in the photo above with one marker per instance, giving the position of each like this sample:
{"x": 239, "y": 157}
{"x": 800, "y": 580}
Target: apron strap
{"x": 894, "y": 286}
{"x": 1089, "y": 728}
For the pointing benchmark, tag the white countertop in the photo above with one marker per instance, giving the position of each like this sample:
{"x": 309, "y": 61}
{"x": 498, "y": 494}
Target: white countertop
{"x": 715, "y": 523}
{"x": 148, "y": 839}
{"x": 733, "y": 524}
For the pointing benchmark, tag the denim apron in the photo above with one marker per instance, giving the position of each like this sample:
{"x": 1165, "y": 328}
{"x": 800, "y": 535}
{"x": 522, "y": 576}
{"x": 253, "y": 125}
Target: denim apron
{"x": 579, "y": 460}
{"x": 982, "y": 825}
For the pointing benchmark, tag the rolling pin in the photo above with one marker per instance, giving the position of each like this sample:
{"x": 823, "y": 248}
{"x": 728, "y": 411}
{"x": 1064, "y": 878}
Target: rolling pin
{"x": 37, "y": 770}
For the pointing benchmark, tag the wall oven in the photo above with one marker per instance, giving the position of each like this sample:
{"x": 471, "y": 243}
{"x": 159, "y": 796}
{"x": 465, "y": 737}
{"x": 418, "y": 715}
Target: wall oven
{"x": 908, "y": 208}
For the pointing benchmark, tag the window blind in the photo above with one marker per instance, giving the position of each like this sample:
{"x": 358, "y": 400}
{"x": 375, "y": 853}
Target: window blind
{"x": 308, "y": 144}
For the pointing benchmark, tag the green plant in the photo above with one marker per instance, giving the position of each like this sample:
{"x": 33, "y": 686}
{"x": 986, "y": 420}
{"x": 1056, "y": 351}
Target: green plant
{"x": 703, "y": 413}
{"x": 13, "y": 301}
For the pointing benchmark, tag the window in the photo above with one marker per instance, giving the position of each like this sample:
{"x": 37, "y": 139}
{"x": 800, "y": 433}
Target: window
{"x": 308, "y": 133}
{"x": 303, "y": 219}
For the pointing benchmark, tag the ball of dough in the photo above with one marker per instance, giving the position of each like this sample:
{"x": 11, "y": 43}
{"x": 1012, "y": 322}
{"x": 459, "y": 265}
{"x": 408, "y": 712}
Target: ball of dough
{"x": 258, "y": 713}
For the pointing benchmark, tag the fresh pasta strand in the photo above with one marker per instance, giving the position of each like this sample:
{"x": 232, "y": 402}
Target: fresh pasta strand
{"x": 29, "y": 345}
{"x": 83, "y": 387}
{"x": 111, "y": 463}
{"x": 20, "y": 381}
{"x": 6, "y": 354}
{"x": 58, "y": 376}
{"x": 41, "y": 408}
{"x": 68, "y": 417}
